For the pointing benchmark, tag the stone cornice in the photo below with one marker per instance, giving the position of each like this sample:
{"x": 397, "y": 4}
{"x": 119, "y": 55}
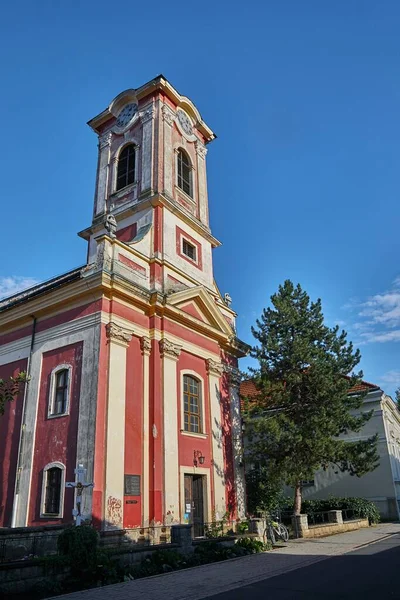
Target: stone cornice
{"x": 145, "y": 345}
{"x": 118, "y": 334}
{"x": 167, "y": 114}
{"x": 214, "y": 367}
{"x": 169, "y": 349}
{"x": 201, "y": 150}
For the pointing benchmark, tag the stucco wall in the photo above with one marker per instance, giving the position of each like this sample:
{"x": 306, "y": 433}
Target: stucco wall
{"x": 378, "y": 485}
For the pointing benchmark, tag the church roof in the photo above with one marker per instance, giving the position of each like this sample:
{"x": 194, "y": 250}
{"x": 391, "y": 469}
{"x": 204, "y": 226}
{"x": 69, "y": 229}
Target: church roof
{"x": 40, "y": 288}
{"x": 249, "y": 391}
{"x": 159, "y": 83}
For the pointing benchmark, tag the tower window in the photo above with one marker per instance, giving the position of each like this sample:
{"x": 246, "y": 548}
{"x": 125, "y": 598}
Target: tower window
{"x": 126, "y": 167}
{"x": 189, "y": 249}
{"x": 191, "y": 404}
{"x": 53, "y": 491}
{"x": 185, "y": 173}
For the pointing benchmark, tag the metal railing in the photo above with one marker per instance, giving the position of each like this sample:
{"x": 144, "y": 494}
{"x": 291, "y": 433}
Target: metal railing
{"x": 318, "y": 518}
{"x": 349, "y": 514}
{"x": 25, "y": 547}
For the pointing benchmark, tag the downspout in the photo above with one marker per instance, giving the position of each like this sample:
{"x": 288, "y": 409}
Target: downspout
{"x": 22, "y": 432}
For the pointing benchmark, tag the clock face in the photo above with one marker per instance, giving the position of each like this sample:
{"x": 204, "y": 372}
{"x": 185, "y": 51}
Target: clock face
{"x": 126, "y": 114}
{"x": 185, "y": 122}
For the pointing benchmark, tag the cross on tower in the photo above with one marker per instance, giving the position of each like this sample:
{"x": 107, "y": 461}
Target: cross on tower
{"x": 79, "y": 484}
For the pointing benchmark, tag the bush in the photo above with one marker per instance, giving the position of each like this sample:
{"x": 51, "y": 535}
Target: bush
{"x": 89, "y": 565}
{"x": 252, "y": 545}
{"x": 361, "y": 507}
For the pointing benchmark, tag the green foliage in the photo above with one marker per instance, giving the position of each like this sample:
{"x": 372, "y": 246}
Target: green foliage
{"x": 10, "y": 388}
{"x": 304, "y": 405}
{"x": 216, "y": 529}
{"x": 361, "y": 507}
{"x": 163, "y": 561}
{"x": 89, "y": 564}
{"x": 252, "y": 545}
{"x": 397, "y": 400}
{"x": 264, "y": 491}
{"x": 79, "y": 545}
{"x": 242, "y": 526}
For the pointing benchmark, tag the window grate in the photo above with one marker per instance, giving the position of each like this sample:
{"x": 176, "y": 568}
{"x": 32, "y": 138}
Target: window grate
{"x": 189, "y": 250}
{"x": 53, "y": 491}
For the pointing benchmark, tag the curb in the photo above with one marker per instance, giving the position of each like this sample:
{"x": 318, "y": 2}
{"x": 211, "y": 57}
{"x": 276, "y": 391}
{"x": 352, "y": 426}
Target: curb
{"x": 384, "y": 537}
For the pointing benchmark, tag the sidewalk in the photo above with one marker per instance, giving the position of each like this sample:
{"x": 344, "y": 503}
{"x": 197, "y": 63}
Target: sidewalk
{"x": 207, "y": 580}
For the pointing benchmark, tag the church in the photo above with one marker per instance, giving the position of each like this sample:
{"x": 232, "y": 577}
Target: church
{"x": 132, "y": 357}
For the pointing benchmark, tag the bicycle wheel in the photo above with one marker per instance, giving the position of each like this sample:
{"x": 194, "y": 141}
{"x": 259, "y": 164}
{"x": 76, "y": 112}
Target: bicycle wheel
{"x": 283, "y": 532}
{"x": 271, "y": 534}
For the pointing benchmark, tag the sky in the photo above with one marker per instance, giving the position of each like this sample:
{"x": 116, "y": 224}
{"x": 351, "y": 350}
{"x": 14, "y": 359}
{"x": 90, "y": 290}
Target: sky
{"x": 303, "y": 177}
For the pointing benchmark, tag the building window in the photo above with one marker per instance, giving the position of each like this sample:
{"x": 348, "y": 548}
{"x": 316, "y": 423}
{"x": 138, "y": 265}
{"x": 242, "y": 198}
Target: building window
{"x": 53, "y": 490}
{"x": 59, "y": 404}
{"x": 189, "y": 250}
{"x": 126, "y": 167}
{"x": 191, "y": 404}
{"x": 185, "y": 173}
{"x": 307, "y": 483}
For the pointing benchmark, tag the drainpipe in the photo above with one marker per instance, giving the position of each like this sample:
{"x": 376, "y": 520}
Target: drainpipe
{"x": 22, "y": 432}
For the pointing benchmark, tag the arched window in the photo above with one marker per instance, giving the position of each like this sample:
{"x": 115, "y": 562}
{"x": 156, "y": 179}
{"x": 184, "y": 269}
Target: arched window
{"x": 59, "y": 391}
{"x": 53, "y": 490}
{"x": 192, "y": 404}
{"x": 185, "y": 173}
{"x": 126, "y": 167}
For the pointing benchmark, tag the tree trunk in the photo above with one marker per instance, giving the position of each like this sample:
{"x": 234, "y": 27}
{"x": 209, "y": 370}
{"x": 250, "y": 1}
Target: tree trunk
{"x": 297, "y": 499}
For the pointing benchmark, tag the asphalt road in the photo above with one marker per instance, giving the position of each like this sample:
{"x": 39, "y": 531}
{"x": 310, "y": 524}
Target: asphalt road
{"x": 369, "y": 573}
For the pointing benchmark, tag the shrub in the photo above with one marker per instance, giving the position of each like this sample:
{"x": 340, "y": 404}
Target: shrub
{"x": 242, "y": 526}
{"x": 252, "y": 545}
{"x": 90, "y": 565}
{"x": 361, "y": 507}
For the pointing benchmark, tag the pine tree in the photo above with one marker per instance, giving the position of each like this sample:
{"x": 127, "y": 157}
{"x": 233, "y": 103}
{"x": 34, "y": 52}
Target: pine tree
{"x": 304, "y": 377}
{"x": 397, "y": 392}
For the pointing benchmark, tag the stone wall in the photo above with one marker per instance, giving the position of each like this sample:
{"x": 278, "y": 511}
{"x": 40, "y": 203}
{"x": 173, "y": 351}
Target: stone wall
{"x": 335, "y": 525}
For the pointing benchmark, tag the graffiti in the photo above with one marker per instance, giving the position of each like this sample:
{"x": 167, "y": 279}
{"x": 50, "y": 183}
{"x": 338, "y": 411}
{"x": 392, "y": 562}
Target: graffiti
{"x": 114, "y": 511}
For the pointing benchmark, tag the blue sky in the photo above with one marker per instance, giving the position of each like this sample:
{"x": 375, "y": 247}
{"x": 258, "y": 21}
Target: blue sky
{"x": 303, "y": 178}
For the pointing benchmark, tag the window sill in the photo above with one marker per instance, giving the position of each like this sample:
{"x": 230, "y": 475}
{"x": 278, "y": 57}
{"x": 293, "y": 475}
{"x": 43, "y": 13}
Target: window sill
{"x": 203, "y": 436}
{"x": 50, "y": 516}
{"x": 125, "y": 190}
{"x": 66, "y": 414}
{"x": 185, "y": 195}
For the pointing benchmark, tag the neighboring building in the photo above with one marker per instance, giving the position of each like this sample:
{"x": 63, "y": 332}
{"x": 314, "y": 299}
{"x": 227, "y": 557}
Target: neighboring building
{"x": 382, "y": 485}
{"x": 133, "y": 357}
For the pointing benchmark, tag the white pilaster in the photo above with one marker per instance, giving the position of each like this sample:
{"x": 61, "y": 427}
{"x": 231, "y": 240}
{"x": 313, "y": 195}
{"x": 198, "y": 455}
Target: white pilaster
{"x": 147, "y": 148}
{"x": 118, "y": 340}
{"x": 145, "y": 345}
{"x": 236, "y": 421}
{"x": 215, "y": 370}
{"x": 201, "y": 152}
{"x": 103, "y": 173}
{"x": 170, "y": 354}
{"x": 168, "y": 120}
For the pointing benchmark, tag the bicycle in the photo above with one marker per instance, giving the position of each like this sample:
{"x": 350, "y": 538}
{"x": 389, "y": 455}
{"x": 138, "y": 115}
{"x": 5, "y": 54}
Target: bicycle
{"x": 275, "y": 530}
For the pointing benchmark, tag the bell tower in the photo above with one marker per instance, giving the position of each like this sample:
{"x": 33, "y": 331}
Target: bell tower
{"x": 151, "y": 189}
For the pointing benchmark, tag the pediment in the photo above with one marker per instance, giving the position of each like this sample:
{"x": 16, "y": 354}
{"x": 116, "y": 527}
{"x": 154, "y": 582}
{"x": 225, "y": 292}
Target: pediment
{"x": 197, "y": 303}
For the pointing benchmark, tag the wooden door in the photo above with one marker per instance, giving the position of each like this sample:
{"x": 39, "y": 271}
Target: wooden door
{"x": 194, "y": 502}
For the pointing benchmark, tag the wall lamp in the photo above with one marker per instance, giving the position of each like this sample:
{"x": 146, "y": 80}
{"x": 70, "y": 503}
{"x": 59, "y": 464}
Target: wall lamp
{"x": 198, "y": 458}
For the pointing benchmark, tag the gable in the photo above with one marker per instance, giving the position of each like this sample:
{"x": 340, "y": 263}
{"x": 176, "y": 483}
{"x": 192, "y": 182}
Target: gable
{"x": 199, "y": 304}
{"x": 194, "y": 311}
